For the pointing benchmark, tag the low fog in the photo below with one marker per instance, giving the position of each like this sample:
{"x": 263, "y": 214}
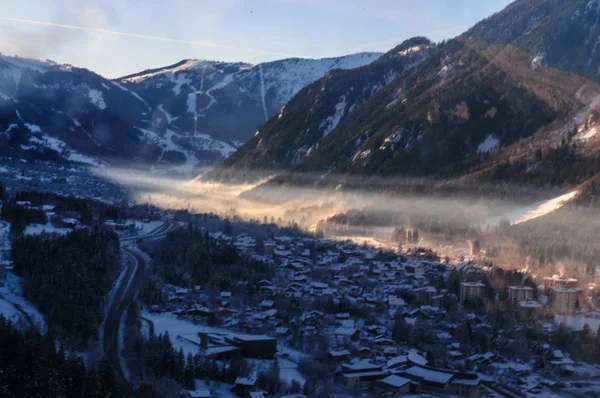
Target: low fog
{"x": 456, "y": 227}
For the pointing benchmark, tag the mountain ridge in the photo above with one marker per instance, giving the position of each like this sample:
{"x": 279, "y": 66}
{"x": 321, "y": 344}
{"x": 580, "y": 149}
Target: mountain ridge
{"x": 500, "y": 84}
{"x": 64, "y": 113}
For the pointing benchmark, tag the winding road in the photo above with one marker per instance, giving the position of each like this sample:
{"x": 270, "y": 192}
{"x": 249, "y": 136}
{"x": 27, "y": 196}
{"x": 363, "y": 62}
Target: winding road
{"x": 126, "y": 292}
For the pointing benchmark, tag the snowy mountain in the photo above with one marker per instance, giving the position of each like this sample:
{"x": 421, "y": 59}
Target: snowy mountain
{"x": 291, "y": 136}
{"x": 229, "y": 101}
{"x": 174, "y": 119}
{"x": 513, "y": 100}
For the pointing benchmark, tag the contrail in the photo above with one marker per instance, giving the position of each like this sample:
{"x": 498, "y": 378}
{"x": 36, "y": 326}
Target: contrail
{"x": 147, "y": 37}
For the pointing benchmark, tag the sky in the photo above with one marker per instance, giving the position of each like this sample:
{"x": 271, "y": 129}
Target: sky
{"x": 119, "y": 37}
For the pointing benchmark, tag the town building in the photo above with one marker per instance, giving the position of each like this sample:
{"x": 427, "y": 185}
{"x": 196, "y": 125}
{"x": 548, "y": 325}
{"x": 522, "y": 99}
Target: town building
{"x": 556, "y": 281}
{"x": 269, "y": 247}
{"x": 516, "y": 294}
{"x": 396, "y": 385}
{"x": 470, "y": 291}
{"x": 565, "y": 300}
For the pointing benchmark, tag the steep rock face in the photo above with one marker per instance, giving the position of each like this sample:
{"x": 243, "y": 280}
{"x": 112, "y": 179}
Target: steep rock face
{"x": 315, "y": 112}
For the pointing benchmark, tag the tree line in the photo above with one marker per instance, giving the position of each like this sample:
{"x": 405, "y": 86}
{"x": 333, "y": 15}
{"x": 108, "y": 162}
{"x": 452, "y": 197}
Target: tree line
{"x": 67, "y": 278}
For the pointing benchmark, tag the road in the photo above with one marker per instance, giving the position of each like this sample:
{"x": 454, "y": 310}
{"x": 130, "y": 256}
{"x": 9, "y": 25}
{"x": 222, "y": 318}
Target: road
{"x": 126, "y": 292}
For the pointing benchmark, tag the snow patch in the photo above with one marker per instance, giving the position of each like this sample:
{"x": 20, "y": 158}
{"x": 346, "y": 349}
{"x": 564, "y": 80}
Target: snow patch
{"x": 332, "y": 121}
{"x": 96, "y": 98}
{"x": 537, "y": 61}
{"x": 36, "y": 229}
{"x": 262, "y": 92}
{"x": 12, "y": 126}
{"x": 167, "y": 114}
{"x": 11, "y": 296}
{"x": 136, "y": 95}
{"x": 445, "y": 70}
{"x": 490, "y": 144}
{"x": 534, "y": 210}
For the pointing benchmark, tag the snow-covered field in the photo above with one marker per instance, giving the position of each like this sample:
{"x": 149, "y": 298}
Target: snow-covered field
{"x": 144, "y": 228}
{"x": 36, "y": 229}
{"x": 534, "y": 210}
{"x": 14, "y": 307}
{"x": 184, "y": 335}
{"x": 576, "y": 322}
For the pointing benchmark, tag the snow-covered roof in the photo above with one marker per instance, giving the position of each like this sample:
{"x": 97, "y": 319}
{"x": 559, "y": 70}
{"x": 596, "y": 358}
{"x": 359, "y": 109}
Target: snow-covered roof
{"x": 430, "y": 375}
{"x": 401, "y": 359}
{"x": 245, "y": 381}
{"x": 360, "y": 366}
{"x": 395, "y": 381}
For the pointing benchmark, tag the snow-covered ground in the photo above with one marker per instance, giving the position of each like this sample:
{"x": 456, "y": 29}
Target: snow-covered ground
{"x": 332, "y": 121}
{"x": 216, "y": 389}
{"x": 576, "y": 322}
{"x": 36, "y": 229}
{"x": 490, "y": 144}
{"x": 533, "y": 211}
{"x": 144, "y": 228}
{"x": 14, "y": 307}
{"x": 184, "y": 335}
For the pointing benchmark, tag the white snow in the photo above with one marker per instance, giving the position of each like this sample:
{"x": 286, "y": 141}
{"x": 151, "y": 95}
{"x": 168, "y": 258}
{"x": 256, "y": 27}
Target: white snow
{"x": 34, "y": 128}
{"x": 576, "y": 322}
{"x": 537, "y": 61}
{"x": 145, "y": 228}
{"x": 11, "y": 295}
{"x": 490, "y": 144}
{"x": 167, "y": 114}
{"x": 95, "y": 96}
{"x": 534, "y": 210}
{"x": 590, "y": 133}
{"x": 9, "y": 128}
{"x": 191, "y": 103}
{"x": 36, "y": 229}
{"x": 412, "y": 49}
{"x": 332, "y": 121}
{"x": 184, "y": 335}
{"x": 187, "y": 66}
{"x": 263, "y": 92}
{"x": 136, "y": 95}
{"x": 392, "y": 140}
{"x": 361, "y": 155}
{"x": 63, "y": 149}
{"x": 444, "y": 71}
{"x": 179, "y": 81}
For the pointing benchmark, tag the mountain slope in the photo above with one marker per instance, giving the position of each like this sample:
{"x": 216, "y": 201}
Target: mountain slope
{"x": 62, "y": 112}
{"x": 317, "y": 110}
{"x": 459, "y": 112}
{"x": 229, "y": 101}
{"x": 67, "y": 114}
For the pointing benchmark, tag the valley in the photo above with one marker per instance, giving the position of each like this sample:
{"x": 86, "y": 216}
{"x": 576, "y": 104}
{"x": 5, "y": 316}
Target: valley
{"x": 418, "y": 221}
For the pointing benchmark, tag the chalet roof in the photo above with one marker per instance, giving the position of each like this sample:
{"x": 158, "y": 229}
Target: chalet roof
{"x": 395, "y": 381}
{"x": 429, "y": 375}
{"x": 345, "y": 331}
{"x": 360, "y": 366}
{"x": 399, "y": 360}
{"x": 245, "y": 381}
{"x": 339, "y": 353}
